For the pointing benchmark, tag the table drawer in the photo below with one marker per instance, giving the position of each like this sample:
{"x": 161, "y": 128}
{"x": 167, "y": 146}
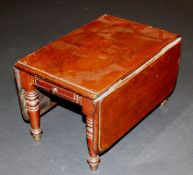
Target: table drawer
{"x": 53, "y": 89}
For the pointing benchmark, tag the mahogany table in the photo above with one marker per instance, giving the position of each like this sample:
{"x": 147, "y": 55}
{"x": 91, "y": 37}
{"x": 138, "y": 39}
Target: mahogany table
{"x": 117, "y": 70}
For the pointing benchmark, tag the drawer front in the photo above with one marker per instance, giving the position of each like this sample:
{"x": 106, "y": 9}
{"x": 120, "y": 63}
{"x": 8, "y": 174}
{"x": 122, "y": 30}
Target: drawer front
{"x": 53, "y": 89}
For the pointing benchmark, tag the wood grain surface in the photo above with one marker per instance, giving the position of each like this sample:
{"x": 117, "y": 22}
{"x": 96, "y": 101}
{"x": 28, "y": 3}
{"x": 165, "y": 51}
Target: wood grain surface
{"x": 92, "y": 58}
{"x": 134, "y": 99}
{"x": 117, "y": 70}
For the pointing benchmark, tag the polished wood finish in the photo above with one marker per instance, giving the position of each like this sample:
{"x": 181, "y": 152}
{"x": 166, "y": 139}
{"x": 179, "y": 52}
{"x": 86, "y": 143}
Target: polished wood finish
{"x": 144, "y": 92}
{"x": 117, "y": 70}
{"x": 55, "y": 90}
{"x": 32, "y": 104}
{"x": 90, "y": 110}
{"x": 46, "y": 103}
{"x": 92, "y": 58}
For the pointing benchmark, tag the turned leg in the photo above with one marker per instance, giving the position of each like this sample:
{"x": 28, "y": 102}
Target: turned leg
{"x": 164, "y": 102}
{"x": 90, "y": 110}
{"x": 32, "y": 104}
{"x": 93, "y": 159}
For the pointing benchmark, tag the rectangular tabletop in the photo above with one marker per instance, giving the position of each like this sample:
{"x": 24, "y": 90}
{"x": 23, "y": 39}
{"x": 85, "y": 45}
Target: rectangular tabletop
{"x": 92, "y": 58}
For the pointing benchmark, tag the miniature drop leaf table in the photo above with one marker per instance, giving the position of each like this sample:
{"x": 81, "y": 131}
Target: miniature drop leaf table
{"x": 118, "y": 71}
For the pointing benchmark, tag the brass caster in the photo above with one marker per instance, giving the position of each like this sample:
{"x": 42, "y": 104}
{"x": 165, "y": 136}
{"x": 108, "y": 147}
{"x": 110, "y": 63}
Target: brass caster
{"x": 37, "y": 137}
{"x": 93, "y": 162}
{"x": 93, "y": 167}
{"x": 164, "y": 102}
{"x": 36, "y": 134}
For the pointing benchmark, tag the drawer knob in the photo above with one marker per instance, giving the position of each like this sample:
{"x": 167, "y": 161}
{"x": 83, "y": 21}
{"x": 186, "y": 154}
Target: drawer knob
{"x": 54, "y": 90}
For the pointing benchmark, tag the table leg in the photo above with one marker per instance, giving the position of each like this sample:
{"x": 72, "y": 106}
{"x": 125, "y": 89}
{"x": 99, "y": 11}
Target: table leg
{"x": 89, "y": 109}
{"x": 32, "y": 104}
{"x": 93, "y": 159}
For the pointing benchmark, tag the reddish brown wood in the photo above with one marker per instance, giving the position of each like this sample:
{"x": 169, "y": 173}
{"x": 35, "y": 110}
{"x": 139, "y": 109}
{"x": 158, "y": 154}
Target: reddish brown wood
{"x": 92, "y": 58}
{"x": 27, "y": 81}
{"x": 46, "y": 103}
{"x": 134, "y": 99}
{"x": 32, "y": 104}
{"x": 89, "y": 110}
{"x": 117, "y": 69}
{"x": 53, "y": 89}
